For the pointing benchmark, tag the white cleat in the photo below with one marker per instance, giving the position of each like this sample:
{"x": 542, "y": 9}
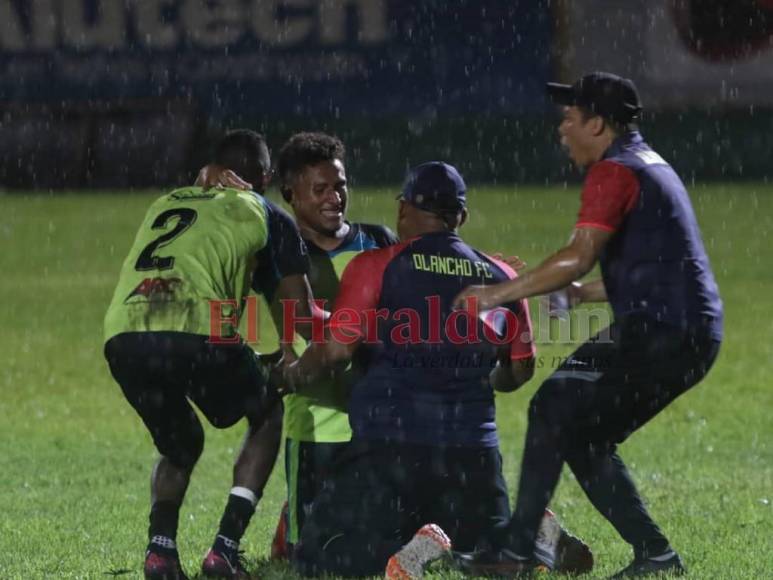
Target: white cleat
{"x": 427, "y": 545}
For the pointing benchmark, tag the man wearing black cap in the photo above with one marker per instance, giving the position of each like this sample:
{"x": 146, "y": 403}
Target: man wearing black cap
{"x": 637, "y": 221}
{"x": 424, "y": 459}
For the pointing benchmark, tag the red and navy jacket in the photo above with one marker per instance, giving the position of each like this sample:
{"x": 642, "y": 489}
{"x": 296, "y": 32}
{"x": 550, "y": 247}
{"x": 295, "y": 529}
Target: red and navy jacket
{"x": 426, "y": 381}
{"x": 655, "y": 263}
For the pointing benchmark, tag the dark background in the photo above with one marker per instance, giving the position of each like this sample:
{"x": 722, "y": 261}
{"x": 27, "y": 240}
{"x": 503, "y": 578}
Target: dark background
{"x": 118, "y": 94}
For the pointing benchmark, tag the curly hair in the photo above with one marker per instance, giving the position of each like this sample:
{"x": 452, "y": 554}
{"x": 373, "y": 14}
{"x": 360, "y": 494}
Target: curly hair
{"x": 303, "y": 150}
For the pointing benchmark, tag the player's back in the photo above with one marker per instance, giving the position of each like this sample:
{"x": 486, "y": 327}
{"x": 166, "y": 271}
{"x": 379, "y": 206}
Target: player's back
{"x": 193, "y": 246}
{"x": 428, "y": 380}
{"x": 657, "y": 262}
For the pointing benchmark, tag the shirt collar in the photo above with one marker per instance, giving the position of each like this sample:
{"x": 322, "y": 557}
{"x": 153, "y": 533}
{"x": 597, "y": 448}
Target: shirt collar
{"x": 624, "y": 140}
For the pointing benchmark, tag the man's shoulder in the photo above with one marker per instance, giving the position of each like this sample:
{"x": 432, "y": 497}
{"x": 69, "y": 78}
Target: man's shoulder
{"x": 378, "y": 257}
{"x": 275, "y": 210}
{"x": 634, "y": 156}
{"x": 382, "y": 235}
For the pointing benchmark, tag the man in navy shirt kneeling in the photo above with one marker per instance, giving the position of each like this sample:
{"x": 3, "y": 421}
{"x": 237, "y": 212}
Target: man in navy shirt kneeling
{"x": 423, "y": 469}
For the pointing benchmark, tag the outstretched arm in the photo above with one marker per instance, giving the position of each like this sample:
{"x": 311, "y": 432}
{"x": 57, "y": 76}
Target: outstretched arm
{"x": 561, "y": 269}
{"x": 583, "y": 292}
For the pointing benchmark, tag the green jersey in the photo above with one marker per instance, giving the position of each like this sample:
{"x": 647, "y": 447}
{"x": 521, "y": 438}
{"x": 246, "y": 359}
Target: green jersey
{"x": 193, "y": 247}
{"x": 323, "y": 418}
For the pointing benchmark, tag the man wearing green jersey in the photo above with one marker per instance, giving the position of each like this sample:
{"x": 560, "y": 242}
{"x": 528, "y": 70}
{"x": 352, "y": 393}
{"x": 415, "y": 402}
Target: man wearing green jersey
{"x": 313, "y": 181}
{"x": 171, "y": 337}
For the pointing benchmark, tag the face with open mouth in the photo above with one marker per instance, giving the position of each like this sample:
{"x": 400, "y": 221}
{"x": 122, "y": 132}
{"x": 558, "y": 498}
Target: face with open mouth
{"x": 577, "y": 137}
{"x": 319, "y": 197}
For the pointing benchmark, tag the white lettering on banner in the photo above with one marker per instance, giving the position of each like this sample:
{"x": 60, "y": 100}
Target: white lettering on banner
{"x": 11, "y": 32}
{"x": 651, "y": 158}
{"x": 153, "y": 33}
{"x": 207, "y": 23}
{"x": 213, "y": 24}
{"x": 108, "y": 31}
{"x": 290, "y": 30}
{"x": 373, "y": 21}
{"x": 44, "y": 23}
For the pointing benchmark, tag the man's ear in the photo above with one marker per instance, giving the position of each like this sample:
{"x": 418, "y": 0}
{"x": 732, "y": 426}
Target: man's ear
{"x": 265, "y": 180}
{"x": 465, "y": 215}
{"x": 598, "y": 125}
{"x": 402, "y": 209}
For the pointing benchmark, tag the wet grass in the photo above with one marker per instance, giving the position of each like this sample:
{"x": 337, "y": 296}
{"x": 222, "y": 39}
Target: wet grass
{"x": 74, "y": 459}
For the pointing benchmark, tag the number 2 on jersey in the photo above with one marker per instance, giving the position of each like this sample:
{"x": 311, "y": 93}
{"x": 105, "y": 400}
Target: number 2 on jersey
{"x": 146, "y": 260}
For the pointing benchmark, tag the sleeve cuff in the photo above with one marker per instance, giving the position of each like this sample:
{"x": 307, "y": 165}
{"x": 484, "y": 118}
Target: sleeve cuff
{"x": 595, "y": 225}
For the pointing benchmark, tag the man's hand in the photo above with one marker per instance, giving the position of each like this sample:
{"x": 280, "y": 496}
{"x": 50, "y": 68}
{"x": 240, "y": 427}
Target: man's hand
{"x": 513, "y": 261}
{"x": 273, "y": 363}
{"x": 292, "y": 380}
{"x": 220, "y": 177}
{"x": 560, "y": 302}
{"x": 486, "y": 298}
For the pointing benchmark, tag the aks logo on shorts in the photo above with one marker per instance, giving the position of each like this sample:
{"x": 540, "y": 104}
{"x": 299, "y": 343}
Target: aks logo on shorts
{"x": 155, "y": 289}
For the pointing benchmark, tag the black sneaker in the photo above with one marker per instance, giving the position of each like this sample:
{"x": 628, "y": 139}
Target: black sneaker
{"x": 503, "y": 563}
{"x": 648, "y": 567}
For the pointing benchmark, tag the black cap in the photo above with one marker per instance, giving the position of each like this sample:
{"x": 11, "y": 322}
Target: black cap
{"x": 435, "y": 186}
{"x": 603, "y": 93}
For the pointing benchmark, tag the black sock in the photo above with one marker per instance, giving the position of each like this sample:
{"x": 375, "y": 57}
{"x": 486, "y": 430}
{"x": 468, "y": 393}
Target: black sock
{"x": 236, "y": 518}
{"x": 162, "y": 532}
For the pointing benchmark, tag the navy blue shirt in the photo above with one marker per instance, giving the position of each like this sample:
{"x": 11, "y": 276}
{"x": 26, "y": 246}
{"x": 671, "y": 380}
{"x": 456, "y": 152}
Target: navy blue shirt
{"x": 655, "y": 262}
{"x": 427, "y": 380}
{"x": 285, "y": 253}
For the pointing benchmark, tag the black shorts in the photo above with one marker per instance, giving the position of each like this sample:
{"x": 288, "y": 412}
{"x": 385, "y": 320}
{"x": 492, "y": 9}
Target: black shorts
{"x": 159, "y": 371}
{"x": 381, "y": 493}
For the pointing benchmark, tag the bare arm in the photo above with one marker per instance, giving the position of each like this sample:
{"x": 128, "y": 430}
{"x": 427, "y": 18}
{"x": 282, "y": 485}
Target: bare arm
{"x": 296, "y": 289}
{"x": 319, "y": 360}
{"x": 561, "y": 269}
{"x": 593, "y": 291}
{"x": 561, "y": 301}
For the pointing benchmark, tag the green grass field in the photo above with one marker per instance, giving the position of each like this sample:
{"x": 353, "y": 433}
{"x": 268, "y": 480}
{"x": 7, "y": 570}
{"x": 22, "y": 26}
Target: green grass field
{"x": 75, "y": 460}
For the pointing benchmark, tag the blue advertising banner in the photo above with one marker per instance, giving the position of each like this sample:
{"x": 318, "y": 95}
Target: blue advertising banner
{"x": 330, "y": 57}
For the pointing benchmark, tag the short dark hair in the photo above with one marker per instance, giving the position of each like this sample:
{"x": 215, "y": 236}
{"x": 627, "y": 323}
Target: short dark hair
{"x": 244, "y": 152}
{"x": 616, "y": 126}
{"x": 303, "y": 150}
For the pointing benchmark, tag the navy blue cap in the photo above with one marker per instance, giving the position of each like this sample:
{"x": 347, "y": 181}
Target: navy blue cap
{"x": 605, "y": 94}
{"x": 435, "y": 186}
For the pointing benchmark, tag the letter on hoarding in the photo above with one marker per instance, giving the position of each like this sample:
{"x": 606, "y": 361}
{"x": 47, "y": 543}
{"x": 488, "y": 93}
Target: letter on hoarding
{"x": 213, "y": 24}
{"x": 287, "y": 31}
{"x": 106, "y": 31}
{"x": 152, "y": 32}
{"x": 371, "y": 25}
{"x": 11, "y": 32}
